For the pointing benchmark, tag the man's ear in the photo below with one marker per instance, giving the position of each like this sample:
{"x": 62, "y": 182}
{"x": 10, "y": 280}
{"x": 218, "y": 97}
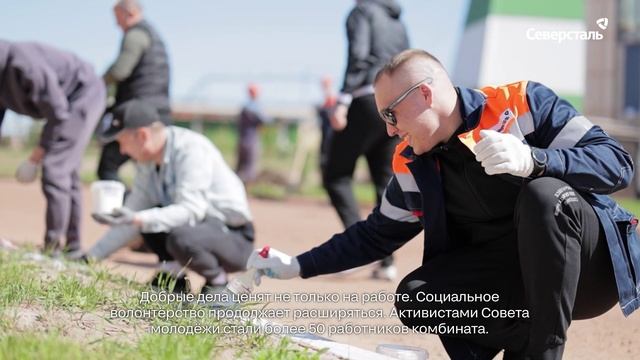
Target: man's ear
{"x": 143, "y": 134}
{"x": 427, "y": 93}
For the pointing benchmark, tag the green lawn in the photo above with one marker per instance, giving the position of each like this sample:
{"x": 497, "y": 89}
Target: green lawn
{"x": 630, "y": 204}
{"x": 56, "y": 310}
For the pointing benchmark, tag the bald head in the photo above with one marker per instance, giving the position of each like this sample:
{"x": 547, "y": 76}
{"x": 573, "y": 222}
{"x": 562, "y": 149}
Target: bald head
{"x": 413, "y": 65}
{"x": 253, "y": 90}
{"x": 129, "y": 5}
{"x": 128, "y": 13}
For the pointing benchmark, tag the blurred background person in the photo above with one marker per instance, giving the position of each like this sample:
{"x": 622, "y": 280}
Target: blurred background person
{"x": 141, "y": 71}
{"x": 251, "y": 119}
{"x": 47, "y": 83}
{"x": 375, "y": 34}
{"x": 324, "y": 111}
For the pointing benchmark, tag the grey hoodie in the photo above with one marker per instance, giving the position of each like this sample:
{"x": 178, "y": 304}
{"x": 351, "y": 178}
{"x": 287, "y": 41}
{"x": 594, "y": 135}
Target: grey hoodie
{"x": 40, "y": 81}
{"x": 375, "y": 35}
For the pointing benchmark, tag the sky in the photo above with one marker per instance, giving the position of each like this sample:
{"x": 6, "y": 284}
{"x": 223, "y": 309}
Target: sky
{"x": 217, "y": 46}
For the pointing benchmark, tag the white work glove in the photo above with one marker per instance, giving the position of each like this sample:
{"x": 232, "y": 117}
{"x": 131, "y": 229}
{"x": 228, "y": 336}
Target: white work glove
{"x": 27, "y": 172}
{"x": 503, "y": 153}
{"x": 277, "y": 265}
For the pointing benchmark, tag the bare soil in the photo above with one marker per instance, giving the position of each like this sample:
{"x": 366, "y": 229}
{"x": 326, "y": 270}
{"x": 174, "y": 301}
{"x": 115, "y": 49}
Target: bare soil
{"x": 295, "y": 226}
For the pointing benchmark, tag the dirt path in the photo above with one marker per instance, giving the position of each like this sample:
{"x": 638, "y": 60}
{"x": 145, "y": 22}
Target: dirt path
{"x": 295, "y": 226}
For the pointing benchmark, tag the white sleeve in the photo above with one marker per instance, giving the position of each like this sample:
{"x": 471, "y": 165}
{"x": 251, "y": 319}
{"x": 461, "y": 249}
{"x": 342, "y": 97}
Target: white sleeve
{"x": 193, "y": 180}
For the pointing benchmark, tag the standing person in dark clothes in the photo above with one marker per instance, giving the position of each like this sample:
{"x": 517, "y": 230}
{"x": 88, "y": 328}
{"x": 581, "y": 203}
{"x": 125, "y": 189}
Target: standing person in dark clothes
{"x": 251, "y": 119}
{"x": 509, "y": 184}
{"x": 46, "y": 83}
{"x": 375, "y": 34}
{"x": 141, "y": 71}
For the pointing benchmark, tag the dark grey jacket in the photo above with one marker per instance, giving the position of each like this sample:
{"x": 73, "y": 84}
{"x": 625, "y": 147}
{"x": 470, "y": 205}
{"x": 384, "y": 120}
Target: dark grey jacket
{"x": 375, "y": 35}
{"x": 41, "y": 81}
{"x": 149, "y": 80}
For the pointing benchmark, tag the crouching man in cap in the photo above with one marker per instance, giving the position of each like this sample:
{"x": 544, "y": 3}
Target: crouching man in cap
{"x": 188, "y": 205}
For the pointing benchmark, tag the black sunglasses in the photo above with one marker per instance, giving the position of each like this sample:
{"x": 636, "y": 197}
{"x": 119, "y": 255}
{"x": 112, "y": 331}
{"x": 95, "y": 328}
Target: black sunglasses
{"x": 387, "y": 113}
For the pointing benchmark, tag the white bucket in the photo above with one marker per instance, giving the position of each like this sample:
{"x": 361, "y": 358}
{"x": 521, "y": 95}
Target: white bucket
{"x": 402, "y": 352}
{"x": 106, "y": 195}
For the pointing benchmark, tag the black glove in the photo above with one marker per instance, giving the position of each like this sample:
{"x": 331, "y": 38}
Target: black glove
{"x": 121, "y": 216}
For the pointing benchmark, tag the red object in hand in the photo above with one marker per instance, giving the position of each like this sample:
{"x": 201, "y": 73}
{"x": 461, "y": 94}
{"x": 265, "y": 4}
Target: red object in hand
{"x": 265, "y": 252}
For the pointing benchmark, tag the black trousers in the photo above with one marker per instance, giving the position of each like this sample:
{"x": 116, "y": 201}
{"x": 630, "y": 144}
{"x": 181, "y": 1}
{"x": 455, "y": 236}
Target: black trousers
{"x": 555, "y": 264}
{"x": 111, "y": 159}
{"x": 207, "y": 248}
{"x": 365, "y": 134}
{"x": 326, "y": 133}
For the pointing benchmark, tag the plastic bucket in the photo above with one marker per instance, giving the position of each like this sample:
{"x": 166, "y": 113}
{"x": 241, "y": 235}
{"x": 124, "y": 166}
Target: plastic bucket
{"x": 107, "y": 195}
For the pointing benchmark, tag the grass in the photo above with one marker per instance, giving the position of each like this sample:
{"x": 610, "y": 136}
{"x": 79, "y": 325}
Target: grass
{"x": 176, "y": 347}
{"x": 19, "y": 285}
{"x": 633, "y": 205}
{"x": 26, "y": 282}
{"x": 66, "y": 291}
{"x": 282, "y": 352}
{"x": 59, "y": 295}
{"x": 53, "y": 346}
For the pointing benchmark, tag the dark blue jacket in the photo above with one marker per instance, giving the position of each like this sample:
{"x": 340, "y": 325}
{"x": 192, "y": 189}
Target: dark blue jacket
{"x": 579, "y": 153}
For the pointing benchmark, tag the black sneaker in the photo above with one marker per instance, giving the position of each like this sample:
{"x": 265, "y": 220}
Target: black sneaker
{"x": 164, "y": 281}
{"x": 214, "y": 289}
{"x": 74, "y": 255}
{"x": 218, "y": 296}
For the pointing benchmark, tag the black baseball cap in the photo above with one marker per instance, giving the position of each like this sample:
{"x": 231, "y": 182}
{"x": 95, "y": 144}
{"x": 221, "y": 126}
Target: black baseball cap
{"x": 132, "y": 114}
